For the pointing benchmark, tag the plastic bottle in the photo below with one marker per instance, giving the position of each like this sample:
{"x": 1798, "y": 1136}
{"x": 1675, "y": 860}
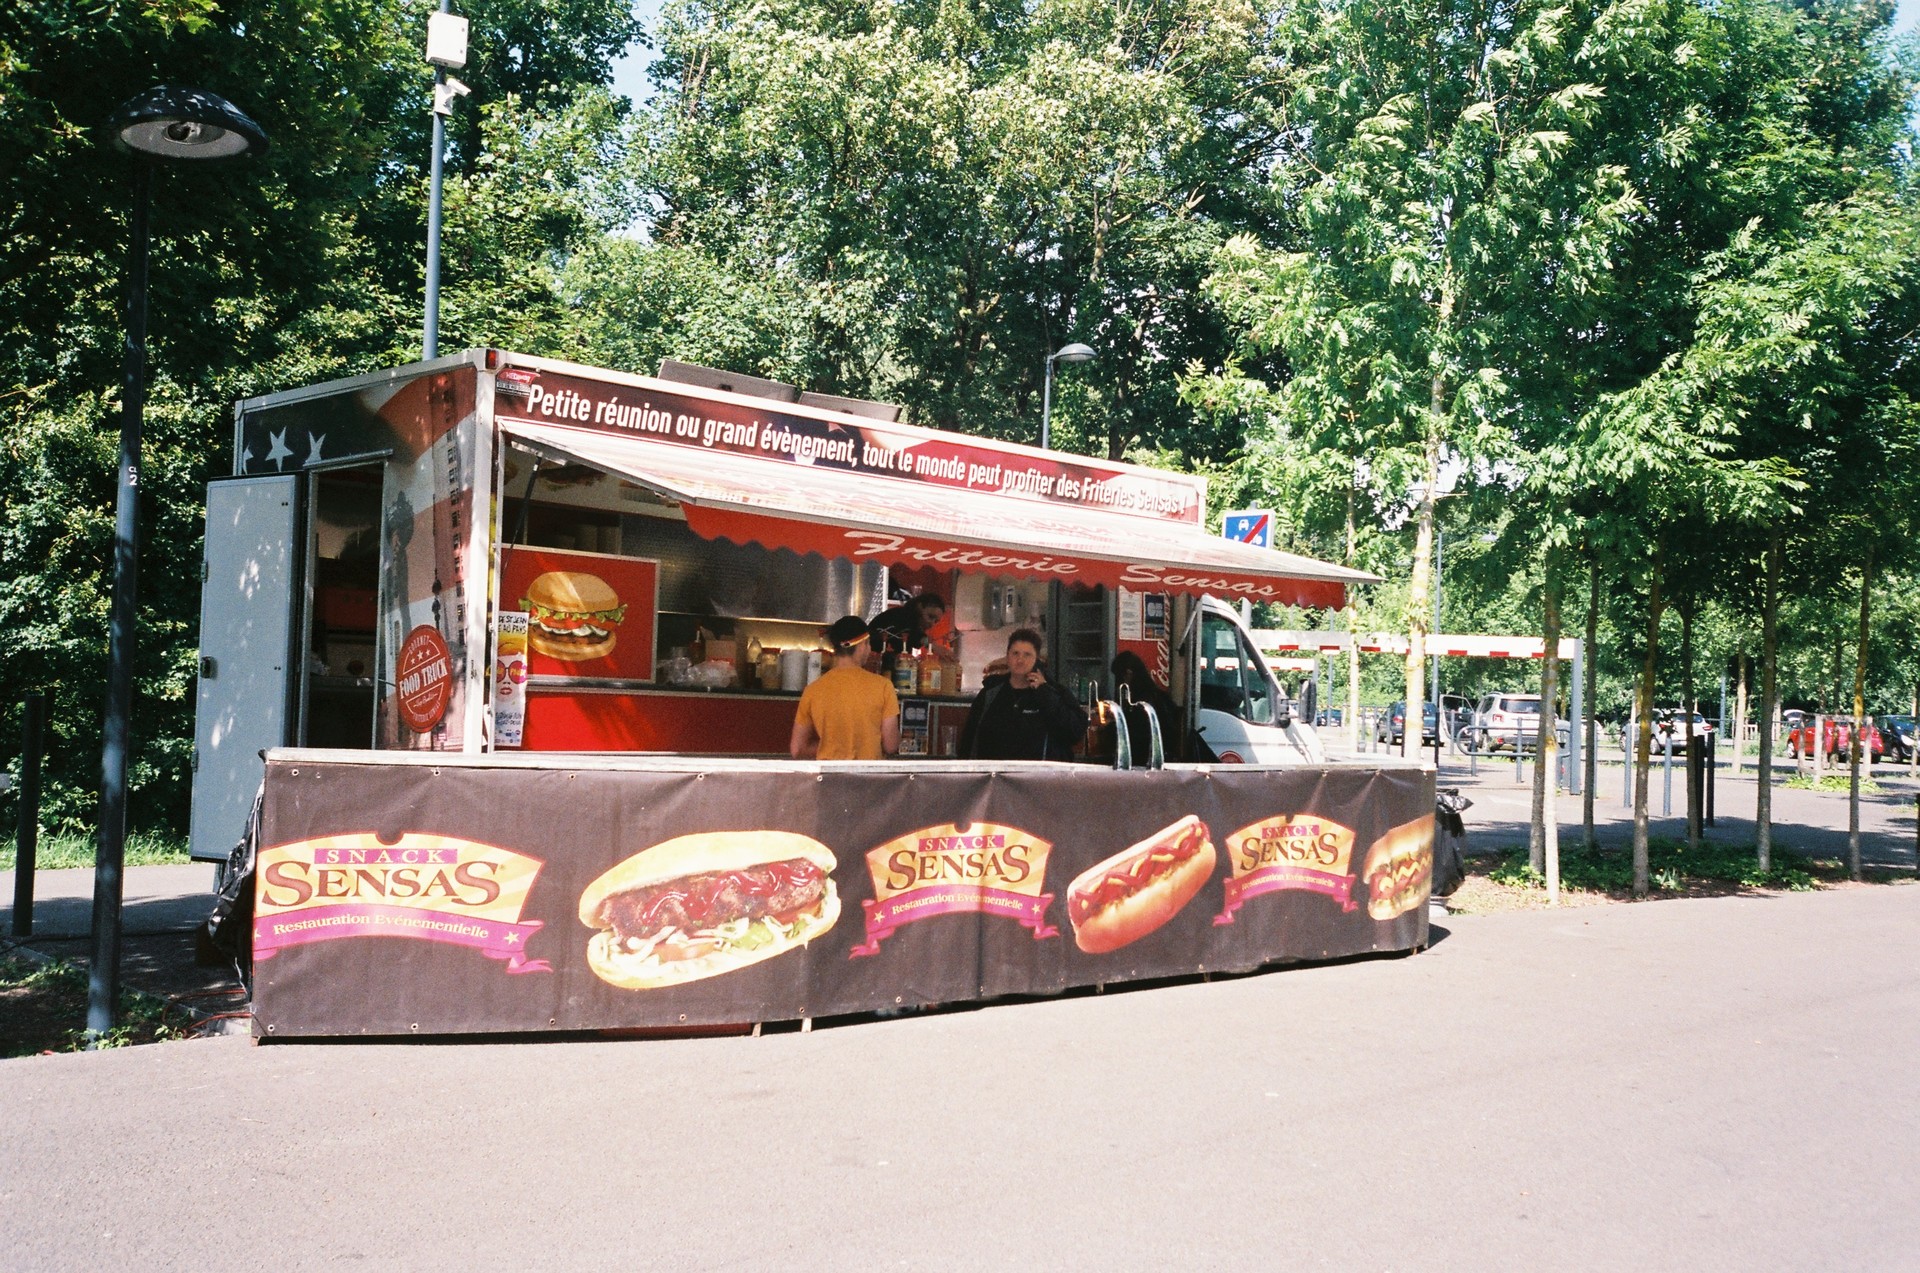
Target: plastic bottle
{"x": 697, "y": 651}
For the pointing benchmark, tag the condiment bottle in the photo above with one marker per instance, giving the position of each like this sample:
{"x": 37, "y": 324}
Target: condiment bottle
{"x": 697, "y": 651}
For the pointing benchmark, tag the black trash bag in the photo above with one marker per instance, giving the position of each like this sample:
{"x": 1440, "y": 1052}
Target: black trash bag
{"x": 1449, "y": 841}
{"x": 227, "y": 934}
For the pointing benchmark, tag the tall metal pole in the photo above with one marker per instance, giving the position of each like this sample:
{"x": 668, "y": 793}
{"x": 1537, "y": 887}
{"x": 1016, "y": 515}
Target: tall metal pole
{"x": 103, "y": 977}
{"x": 1578, "y": 741}
{"x": 1439, "y": 555}
{"x": 430, "y": 343}
{"x": 1046, "y": 401}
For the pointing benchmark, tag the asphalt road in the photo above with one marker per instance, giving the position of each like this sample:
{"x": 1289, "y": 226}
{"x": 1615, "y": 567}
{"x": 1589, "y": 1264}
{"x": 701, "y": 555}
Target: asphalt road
{"x": 1718, "y": 1084}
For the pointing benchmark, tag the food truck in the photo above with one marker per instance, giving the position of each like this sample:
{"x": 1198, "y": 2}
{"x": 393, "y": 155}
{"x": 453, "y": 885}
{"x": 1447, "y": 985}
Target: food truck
{"x": 510, "y": 649}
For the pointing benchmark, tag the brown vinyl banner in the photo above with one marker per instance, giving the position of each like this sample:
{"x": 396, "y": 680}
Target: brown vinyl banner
{"x": 480, "y": 897}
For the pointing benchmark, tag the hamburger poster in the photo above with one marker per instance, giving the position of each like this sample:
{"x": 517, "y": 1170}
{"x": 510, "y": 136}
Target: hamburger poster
{"x": 588, "y": 614}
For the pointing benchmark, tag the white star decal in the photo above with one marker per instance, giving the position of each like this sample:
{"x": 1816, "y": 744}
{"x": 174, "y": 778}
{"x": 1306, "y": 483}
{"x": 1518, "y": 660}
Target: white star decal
{"x": 246, "y": 458}
{"x": 278, "y": 452}
{"x": 313, "y": 447}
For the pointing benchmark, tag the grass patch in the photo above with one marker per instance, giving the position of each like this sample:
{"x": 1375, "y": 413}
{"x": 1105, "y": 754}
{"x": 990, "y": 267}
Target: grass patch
{"x": 1671, "y": 867}
{"x": 1841, "y": 783}
{"x": 65, "y": 850}
{"x": 43, "y": 1008}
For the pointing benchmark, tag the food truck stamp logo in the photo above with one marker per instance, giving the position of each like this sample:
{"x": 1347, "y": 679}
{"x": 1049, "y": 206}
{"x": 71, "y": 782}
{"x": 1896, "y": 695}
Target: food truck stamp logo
{"x": 701, "y": 905}
{"x": 1398, "y": 872}
{"x": 425, "y": 682}
{"x": 1117, "y": 902}
{"x": 979, "y": 868}
{"x": 1290, "y": 851}
{"x": 426, "y": 887}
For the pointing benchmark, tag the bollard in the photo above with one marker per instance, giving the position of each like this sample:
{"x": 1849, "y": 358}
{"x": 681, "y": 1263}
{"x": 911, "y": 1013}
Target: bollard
{"x": 1713, "y": 749}
{"x": 1516, "y": 759}
{"x": 1626, "y": 779}
{"x": 1916, "y": 835}
{"x": 27, "y": 839}
{"x": 1666, "y": 802}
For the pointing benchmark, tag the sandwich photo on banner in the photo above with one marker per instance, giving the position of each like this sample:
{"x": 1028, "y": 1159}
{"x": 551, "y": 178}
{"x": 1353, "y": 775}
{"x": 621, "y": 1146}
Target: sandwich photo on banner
{"x": 588, "y": 614}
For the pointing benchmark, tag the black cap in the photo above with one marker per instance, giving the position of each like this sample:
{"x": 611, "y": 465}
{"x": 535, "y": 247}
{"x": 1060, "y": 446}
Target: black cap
{"x": 848, "y": 632}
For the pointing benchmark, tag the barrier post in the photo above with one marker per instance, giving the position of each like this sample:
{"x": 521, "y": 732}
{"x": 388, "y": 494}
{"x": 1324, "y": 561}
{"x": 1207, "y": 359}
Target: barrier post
{"x": 1713, "y": 748}
{"x": 27, "y": 838}
{"x": 1666, "y": 799}
{"x": 1626, "y": 765}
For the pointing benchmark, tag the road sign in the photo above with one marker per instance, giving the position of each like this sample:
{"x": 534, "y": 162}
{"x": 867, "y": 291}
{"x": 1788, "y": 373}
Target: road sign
{"x": 1249, "y": 526}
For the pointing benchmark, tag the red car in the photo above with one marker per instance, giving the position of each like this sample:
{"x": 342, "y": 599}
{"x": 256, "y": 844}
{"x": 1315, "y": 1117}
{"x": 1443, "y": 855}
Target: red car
{"x": 1837, "y": 734}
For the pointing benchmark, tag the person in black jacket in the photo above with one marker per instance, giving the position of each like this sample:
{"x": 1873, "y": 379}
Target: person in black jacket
{"x": 1023, "y": 715}
{"x": 903, "y": 629}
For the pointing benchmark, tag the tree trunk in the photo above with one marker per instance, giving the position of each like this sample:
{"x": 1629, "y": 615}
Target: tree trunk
{"x": 1740, "y": 713}
{"x": 1860, "y": 743}
{"x": 1643, "y": 700}
{"x": 1686, "y": 715}
{"x": 1591, "y": 743}
{"x": 1546, "y": 752}
{"x": 1353, "y": 640}
{"x": 1420, "y": 598}
{"x": 1769, "y": 655}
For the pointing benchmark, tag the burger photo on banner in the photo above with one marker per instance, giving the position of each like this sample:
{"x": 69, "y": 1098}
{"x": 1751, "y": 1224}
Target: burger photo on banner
{"x": 588, "y": 614}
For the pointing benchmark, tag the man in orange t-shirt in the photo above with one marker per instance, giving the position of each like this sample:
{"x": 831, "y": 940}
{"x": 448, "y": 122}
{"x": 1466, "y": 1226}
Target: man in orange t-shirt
{"x": 849, "y": 713}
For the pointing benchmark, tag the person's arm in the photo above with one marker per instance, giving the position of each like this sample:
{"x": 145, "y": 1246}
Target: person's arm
{"x": 1066, "y": 719}
{"x": 804, "y": 744}
{"x": 969, "y": 732}
{"x": 889, "y": 721}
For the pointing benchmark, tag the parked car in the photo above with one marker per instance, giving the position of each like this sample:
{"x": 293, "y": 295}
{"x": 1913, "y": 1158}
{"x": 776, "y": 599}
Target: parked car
{"x": 1390, "y": 728}
{"x": 1792, "y": 718}
{"x": 1510, "y": 721}
{"x": 1837, "y": 735}
{"x": 1330, "y": 716}
{"x": 1670, "y": 724}
{"x": 1898, "y": 733}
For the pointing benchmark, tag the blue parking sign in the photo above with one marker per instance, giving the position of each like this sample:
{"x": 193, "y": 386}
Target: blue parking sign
{"x": 1250, "y": 526}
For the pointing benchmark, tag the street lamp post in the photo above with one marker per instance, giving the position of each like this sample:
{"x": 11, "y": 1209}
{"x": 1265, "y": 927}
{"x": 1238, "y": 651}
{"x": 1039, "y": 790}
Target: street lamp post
{"x": 1075, "y": 352}
{"x": 1439, "y": 583}
{"x": 446, "y": 50}
{"x": 172, "y": 124}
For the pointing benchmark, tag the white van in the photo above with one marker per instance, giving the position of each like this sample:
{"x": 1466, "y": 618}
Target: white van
{"x": 1240, "y": 712}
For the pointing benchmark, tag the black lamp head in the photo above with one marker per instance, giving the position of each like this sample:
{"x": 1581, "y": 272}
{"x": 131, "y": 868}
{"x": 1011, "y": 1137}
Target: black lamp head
{"x": 185, "y": 123}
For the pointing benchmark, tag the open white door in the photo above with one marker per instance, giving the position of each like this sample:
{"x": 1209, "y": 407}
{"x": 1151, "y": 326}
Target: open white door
{"x": 248, "y": 623}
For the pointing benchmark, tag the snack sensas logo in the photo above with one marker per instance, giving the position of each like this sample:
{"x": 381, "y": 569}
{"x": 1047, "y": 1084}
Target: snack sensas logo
{"x": 426, "y": 887}
{"x": 980, "y": 868}
{"x": 1300, "y": 852}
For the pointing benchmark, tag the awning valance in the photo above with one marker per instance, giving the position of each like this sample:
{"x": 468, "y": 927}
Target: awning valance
{"x": 854, "y": 515}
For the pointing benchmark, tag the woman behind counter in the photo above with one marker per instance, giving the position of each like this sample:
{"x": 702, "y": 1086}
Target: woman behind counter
{"x": 1022, "y": 715}
{"x": 848, "y": 713}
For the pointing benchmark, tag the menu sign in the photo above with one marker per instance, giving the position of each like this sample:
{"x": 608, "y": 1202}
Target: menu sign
{"x": 877, "y": 448}
{"x": 556, "y": 898}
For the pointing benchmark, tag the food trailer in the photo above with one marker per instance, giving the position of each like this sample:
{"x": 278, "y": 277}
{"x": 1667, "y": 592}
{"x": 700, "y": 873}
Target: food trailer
{"x": 511, "y": 648}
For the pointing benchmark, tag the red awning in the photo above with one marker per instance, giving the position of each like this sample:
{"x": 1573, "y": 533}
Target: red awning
{"x": 866, "y": 518}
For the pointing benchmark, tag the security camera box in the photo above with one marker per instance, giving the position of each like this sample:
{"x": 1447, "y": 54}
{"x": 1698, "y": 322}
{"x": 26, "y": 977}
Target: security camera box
{"x": 447, "y": 40}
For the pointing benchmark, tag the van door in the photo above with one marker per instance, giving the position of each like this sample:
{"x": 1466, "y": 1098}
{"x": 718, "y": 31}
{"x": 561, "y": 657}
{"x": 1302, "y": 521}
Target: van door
{"x": 249, "y": 651}
{"x": 1242, "y": 717}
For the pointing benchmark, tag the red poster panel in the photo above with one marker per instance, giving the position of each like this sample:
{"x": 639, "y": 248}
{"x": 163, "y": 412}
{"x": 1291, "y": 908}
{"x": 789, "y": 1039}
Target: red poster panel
{"x": 589, "y": 614}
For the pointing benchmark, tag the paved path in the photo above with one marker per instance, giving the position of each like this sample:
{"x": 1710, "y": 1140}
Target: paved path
{"x": 1717, "y": 1084}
